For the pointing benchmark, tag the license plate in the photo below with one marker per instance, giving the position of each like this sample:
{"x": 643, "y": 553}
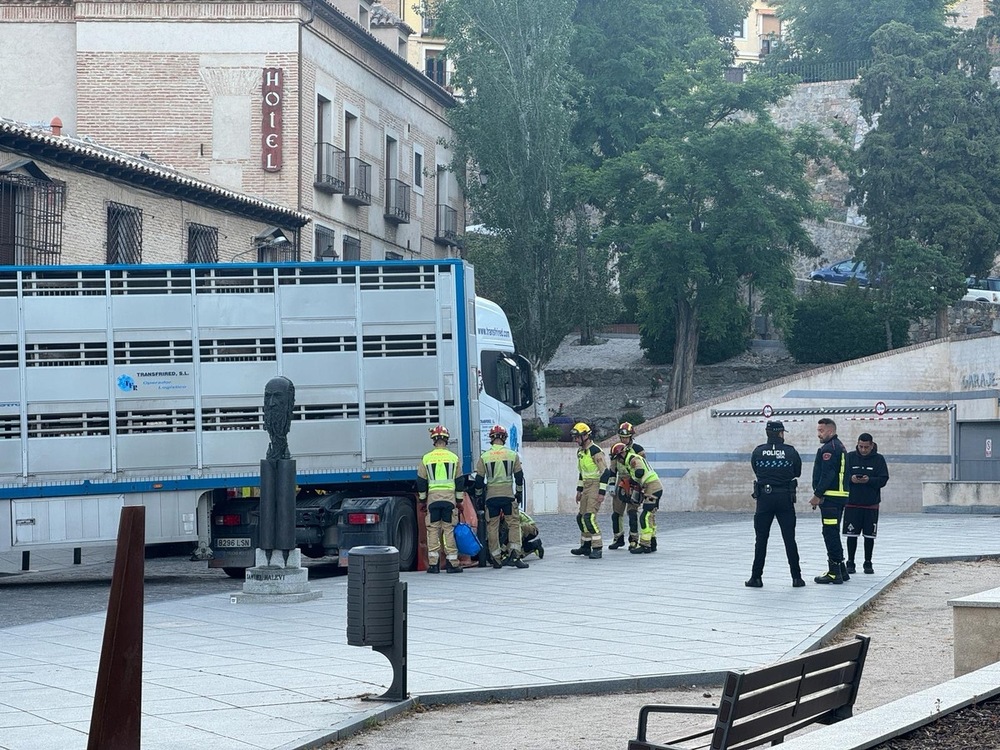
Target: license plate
{"x": 234, "y": 542}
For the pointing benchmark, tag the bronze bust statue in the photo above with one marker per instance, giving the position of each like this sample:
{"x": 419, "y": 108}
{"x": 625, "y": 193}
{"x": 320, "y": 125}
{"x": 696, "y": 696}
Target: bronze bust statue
{"x": 279, "y": 399}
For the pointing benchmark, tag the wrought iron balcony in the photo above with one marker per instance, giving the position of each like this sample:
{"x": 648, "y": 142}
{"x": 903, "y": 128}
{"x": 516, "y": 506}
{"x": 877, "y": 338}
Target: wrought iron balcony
{"x": 397, "y": 201}
{"x": 331, "y": 168}
{"x": 359, "y": 182}
{"x": 446, "y": 232}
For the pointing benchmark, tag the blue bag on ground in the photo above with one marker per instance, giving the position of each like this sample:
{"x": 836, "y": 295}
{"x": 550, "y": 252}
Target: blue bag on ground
{"x": 465, "y": 540}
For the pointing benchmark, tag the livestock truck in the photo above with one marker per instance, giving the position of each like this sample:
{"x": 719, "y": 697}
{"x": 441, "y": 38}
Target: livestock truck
{"x": 143, "y": 385}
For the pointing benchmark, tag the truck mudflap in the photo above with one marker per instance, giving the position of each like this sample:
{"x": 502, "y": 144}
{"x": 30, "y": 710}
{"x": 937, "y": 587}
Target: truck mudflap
{"x": 390, "y": 521}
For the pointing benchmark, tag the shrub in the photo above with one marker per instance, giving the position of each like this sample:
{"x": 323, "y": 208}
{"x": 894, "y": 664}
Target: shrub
{"x": 837, "y": 324}
{"x": 635, "y": 417}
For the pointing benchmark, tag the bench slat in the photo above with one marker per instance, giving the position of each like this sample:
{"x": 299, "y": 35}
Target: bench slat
{"x": 777, "y": 721}
{"x": 792, "y": 690}
{"x": 795, "y": 668}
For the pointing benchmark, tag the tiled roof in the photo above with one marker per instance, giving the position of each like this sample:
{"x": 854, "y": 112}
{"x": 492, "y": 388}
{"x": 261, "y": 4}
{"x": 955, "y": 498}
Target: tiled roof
{"x": 89, "y": 156}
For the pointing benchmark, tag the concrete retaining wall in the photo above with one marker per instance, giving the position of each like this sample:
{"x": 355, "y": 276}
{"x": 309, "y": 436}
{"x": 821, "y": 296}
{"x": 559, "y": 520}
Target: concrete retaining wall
{"x": 961, "y": 497}
{"x": 703, "y": 458}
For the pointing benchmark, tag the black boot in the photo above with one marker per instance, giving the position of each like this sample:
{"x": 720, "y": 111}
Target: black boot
{"x": 850, "y": 567}
{"x": 450, "y": 568}
{"x": 495, "y": 563}
{"x": 597, "y": 553}
{"x": 832, "y": 574}
{"x": 583, "y": 549}
{"x": 844, "y": 572}
{"x": 754, "y": 583}
{"x": 652, "y": 544}
{"x": 513, "y": 561}
{"x": 618, "y": 543}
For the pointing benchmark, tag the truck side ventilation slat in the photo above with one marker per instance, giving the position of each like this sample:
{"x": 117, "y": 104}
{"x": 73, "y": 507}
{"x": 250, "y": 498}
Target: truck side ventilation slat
{"x": 146, "y": 421}
{"x": 150, "y": 352}
{"x": 237, "y": 350}
{"x": 79, "y": 424}
{"x": 306, "y": 344}
{"x": 397, "y": 277}
{"x": 8, "y": 355}
{"x": 401, "y": 412}
{"x": 10, "y": 427}
{"x": 68, "y": 354}
{"x": 403, "y": 345}
{"x": 234, "y": 280}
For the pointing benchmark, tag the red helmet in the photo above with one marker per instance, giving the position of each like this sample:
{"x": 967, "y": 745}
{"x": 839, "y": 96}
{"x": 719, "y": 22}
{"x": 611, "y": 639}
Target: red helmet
{"x": 618, "y": 451}
{"x": 496, "y": 431}
{"x": 440, "y": 433}
{"x": 626, "y": 429}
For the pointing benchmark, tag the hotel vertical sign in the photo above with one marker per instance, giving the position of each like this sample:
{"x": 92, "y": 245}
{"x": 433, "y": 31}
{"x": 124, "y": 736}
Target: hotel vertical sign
{"x": 273, "y": 96}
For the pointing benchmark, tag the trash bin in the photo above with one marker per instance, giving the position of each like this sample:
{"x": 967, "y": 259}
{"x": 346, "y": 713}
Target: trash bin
{"x": 372, "y": 575}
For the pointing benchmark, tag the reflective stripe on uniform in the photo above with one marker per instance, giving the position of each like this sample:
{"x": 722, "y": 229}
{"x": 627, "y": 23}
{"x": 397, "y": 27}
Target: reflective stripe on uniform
{"x": 831, "y": 521}
{"x": 442, "y": 468}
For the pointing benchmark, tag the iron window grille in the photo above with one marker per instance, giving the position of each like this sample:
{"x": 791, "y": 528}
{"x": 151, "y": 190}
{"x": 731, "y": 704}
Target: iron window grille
{"x": 124, "y": 234}
{"x": 31, "y": 220}
{"x": 325, "y": 248}
{"x": 203, "y": 244}
{"x": 351, "y": 248}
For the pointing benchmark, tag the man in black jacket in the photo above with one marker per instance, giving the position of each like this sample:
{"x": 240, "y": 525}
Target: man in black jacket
{"x": 777, "y": 466}
{"x": 829, "y": 495}
{"x": 869, "y": 474}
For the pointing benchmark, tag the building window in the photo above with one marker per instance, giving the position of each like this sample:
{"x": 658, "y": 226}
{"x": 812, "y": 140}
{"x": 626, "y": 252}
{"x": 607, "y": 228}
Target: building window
{"x": 390, "y": 255}
{"x": 418, "y": 168}
{"x": 203, "y": 244}
{"x": 436, "y": 67}
{"x": 351, "y": 248}
{"x": 124, "y": 234}
{"x": 740, "y": 32}
{"x": 31, "y": 212}
{"x": 325, "y": 248}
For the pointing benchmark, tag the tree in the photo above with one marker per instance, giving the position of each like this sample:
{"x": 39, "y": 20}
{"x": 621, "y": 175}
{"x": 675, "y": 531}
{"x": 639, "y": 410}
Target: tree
{"x": 714, "y": 196}
{"x": 830, "y": 31}
{"x": 928, "y": 180}
{"x": 511, "y": 62}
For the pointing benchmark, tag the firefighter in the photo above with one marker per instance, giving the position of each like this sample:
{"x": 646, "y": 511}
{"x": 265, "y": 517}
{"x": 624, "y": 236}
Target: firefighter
{"x": 650, "y": 489}
{"x": 830, "y": 477}
{"x": 621, "y": 502}
{"x": 499, "y": 476}
{"x": 530, "y": 536}
{"x": 439, "y": 492}
{"x": 591, "y": 487}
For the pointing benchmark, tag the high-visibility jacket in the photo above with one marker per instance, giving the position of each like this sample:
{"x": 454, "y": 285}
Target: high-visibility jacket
{"x": 830, "y": 475}
{"x": 437, "y": 477}
{"x": 499, "y": 470}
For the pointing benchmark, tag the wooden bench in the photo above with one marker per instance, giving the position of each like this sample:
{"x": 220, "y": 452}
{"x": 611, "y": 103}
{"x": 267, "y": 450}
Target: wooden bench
{"x": 766, "y": 704}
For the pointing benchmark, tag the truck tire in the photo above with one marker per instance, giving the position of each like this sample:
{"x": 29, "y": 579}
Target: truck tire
{"x": 403, "y": 533}
{"x": 240, "y": 573}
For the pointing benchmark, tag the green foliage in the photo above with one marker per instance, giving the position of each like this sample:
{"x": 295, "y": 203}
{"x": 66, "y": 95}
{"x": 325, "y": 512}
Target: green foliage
{"x": 831, "y": 31}
{"x": 726, "y": 337}
{"x": 511, "y": 60}
{"x": 838, "y": 324}
{"x": 928, "y": 171}
{"x": 550, "y": 434}
{"x": 635, "y": 417}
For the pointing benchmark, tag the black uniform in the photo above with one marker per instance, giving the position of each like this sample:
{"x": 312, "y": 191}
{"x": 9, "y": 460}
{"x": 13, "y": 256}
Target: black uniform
{"x": 861, "y": 512}
{"x": 830, "y": 483}
{"x": 777, "y": 466}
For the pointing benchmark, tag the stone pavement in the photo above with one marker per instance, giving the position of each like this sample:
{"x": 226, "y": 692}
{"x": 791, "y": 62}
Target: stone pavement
{"x": 235, "y": 676}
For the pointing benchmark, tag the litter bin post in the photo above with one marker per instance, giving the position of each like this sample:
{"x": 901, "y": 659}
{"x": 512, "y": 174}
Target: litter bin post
{"x": 376, "y": 610}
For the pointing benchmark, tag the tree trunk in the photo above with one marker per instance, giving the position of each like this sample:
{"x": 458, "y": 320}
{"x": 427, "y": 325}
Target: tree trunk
{"x": 888, "y": 334}
{"x": 541, "y": 398}
{"x": 941, "y": 328}
{"x": 685, "y": 355}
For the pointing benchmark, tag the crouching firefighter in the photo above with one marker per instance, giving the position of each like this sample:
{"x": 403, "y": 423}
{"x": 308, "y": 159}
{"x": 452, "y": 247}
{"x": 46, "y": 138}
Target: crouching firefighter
{"x": 499, "y": 476}
{"x": 622, "y": 504}
{"x": 648, "y": 487}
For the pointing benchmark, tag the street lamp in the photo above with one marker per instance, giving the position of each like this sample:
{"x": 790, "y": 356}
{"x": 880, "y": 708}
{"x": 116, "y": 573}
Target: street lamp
{"x": 484, "y": 177}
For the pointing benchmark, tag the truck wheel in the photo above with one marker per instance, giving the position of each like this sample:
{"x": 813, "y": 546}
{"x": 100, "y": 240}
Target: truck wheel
{"x": 240, "y": 573}
{"x": 403, "y": 533}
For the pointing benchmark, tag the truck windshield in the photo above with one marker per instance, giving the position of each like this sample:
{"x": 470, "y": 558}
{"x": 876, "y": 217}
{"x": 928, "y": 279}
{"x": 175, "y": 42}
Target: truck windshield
{"x": 502, "y": 379}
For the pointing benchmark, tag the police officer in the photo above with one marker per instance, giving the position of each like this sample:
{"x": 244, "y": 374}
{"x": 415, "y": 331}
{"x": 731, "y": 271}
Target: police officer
{"x": 500, "y": 477}
{"x": 777, "y": 466}
{"x": 621, "y": 501}
{"x": 648, "y": 486}
{"x": 593, "y": 475}
{"x": 829, "y": 495}
{"x": 439, "y": 492}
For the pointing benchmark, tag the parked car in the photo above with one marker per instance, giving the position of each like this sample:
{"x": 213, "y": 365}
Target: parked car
{"x": 841, "y": 272}
{"x": 982, "y": 290}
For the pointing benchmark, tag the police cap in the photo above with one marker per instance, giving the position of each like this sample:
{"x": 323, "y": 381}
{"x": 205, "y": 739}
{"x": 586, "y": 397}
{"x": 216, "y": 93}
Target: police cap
{"x": 775, "y": 426}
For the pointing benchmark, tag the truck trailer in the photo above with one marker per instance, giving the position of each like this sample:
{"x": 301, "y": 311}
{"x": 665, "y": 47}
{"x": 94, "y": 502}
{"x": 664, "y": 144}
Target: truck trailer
{"x": 143, "y": 385}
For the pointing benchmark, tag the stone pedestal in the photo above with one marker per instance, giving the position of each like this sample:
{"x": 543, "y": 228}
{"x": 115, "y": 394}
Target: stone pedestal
{"x": 278, "y": 577}
{"x": 977, "y": 621}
